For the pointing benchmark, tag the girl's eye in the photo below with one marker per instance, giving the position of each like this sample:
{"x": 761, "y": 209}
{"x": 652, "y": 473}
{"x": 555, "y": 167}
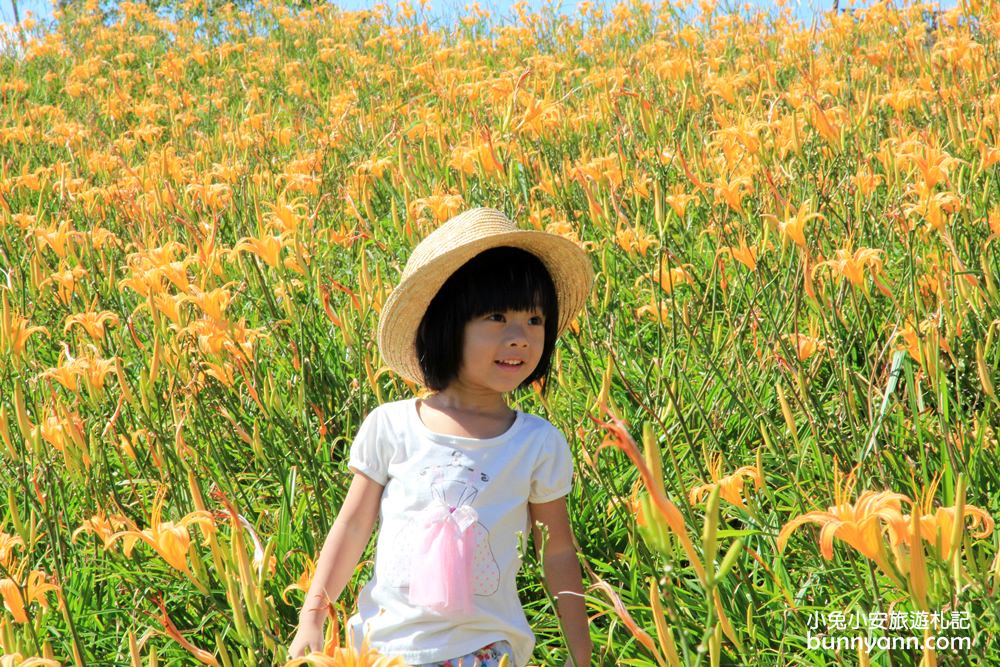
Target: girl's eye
{"x": 495, "y": 317}
{"x": 536, "y": 320}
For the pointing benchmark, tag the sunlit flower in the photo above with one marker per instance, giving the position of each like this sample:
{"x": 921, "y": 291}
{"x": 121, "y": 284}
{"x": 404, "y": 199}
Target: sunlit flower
{"x": 267, "y": 247}
{"x": 804, "y": 346}
{"x": 303, "y": 582}
{"x": 15, "y": 331}
{"x": 101, "y": 525}
{"x": 859, "y": 524}
{"x": 632, "y": 240}
{"x": 213, "y": 303}
{"x": 66, "y": 281}
{"x": 679, "y": 200}
{"x": 351, "y": 656}
{"x": 35, "y": 588}
{"x": 852, "y": 265}
{"x": 7, "y": 544}
{"x": 169, "y": 539}
{"x": 733, "y": 191}
{"x": 793, "y": 226}
{"x": 937, "y": 528}
{"x": 730, "y": 486}
{"x": 15, "y": 659}
{"x": 92, "y": 322}
{"x": 742, "y": 253}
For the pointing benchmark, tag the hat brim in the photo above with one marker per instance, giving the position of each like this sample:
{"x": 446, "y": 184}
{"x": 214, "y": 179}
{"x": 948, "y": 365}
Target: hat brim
{"x": 567, "y": 264}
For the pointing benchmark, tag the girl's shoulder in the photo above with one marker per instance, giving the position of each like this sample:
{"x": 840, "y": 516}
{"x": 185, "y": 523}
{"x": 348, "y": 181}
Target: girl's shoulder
{"x": 542, "y": 427}
{"x": 391, "y": 409}
{"x": 386, "y": 416}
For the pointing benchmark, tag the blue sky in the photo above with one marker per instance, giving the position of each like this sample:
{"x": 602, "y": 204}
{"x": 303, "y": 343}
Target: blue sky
{"x": 803, "y": 9}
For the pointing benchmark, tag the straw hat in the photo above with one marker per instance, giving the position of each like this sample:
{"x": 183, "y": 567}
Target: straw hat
{"x": 450, "y": 246}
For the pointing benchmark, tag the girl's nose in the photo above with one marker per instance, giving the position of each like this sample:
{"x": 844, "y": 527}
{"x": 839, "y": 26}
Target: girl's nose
{"x": 516, "y": 336}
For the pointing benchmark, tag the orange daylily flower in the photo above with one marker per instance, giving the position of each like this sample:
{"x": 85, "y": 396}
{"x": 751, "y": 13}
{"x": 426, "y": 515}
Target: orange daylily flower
{"x": 932, "y": 164}
{"x": 176, "y": 273}
{"x": 565, "y": 229}
{"x": 859, "y": 524}
{"x": 935, "y": 208}
{"x": 679, "y": 200}
{"x": 828, "y": 122}
{"x": 92, "y": 322}
{"x": 793, "y": 226}
{"x": 170, "y": 305}
{"x": 733, "y": 191}
{"x": 988, "y": 155}
{"x": 66, "y": 281}
{"x": 936, "y": 528}
{"x": 539, "y": 114}
{"x": 303, "y": 582}
{"x": 363, "y": 656}
{"x": 212, "y": 303}
{"x": 17, "y": 660}
{"x": 94, "y": 369}
{"x": 64, "y": 432}
{"x": 668, "y": 277}
{"x": 866, "y": 182}
{"x": 852, "y": 265}
{"x": 66, "y": 372}
{"x": 659, "y": 313}
{"x": 805, "y": 346}
{"x": 224, "y": 372}
{"x": 169, "y": 539}
{"x": 101, "y": 525}
{"x": 267, "y": 247}
{"x": 744, "y": 254}
{"x": 58, "y": 238}
{"x": 730, "y": 486}
{"x": 15, "y": 331}
{"x": 7, "y": 544}
{"x": 34, "y": 587}
{"x": 604, "y": 169}
{"x": 441, "y": 205}
{"x": 215, "y": 336}
{"x": 286, "y": 216}
{"x": 631, "y": 240}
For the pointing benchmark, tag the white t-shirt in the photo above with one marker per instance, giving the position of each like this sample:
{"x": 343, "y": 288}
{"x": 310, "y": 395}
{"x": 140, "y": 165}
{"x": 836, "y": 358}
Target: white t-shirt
{"x": 497, "y": 477}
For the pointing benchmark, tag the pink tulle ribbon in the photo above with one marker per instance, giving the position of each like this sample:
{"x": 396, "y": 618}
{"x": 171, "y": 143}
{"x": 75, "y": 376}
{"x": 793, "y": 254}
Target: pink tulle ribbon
{"x": 441, "y": 574}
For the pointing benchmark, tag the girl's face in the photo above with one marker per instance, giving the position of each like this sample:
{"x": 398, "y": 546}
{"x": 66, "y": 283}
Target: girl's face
{"x": 515, "y": 337}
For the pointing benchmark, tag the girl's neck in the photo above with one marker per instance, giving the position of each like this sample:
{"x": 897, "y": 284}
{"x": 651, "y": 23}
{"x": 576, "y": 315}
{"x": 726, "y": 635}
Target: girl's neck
{"x": 454, "y": 399}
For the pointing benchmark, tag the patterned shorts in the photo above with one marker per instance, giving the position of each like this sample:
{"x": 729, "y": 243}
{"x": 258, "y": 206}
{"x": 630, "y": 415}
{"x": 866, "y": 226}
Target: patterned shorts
{"x": 487, "y": 656}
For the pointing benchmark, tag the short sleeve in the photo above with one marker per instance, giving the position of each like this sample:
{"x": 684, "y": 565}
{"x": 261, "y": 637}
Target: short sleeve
{"x": 552, "y": 475}
{"x": 369, "y": 451}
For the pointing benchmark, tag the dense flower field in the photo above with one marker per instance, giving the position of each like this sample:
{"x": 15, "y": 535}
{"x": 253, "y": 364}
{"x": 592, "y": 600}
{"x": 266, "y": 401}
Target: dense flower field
{"x": 782, "y": 396}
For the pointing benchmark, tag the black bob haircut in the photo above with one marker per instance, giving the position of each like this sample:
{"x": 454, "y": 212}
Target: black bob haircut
{"x": 495, "y": 280}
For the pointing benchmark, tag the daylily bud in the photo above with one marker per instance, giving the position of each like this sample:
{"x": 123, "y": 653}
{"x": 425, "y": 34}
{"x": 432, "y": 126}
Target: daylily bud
{"x": 663, "y": 632}
{"x": 5, "y": 433}
{"x": 918, "y": 566}
{"x": 730, "y": 559}
{"x": 23, "y": 423}
{"x": 984, "y": 373}
{"x": 709, "y": 535}
{"x": 786, "y": 411}
{"x": 133, "y": 651}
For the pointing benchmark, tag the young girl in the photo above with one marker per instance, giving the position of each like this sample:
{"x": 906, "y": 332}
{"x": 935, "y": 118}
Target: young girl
{"x": 458, "y": 475}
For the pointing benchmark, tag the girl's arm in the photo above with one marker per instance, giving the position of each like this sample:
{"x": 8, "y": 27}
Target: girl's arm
{"x": 563, "y": 577}
{"x": 344, "y": 545}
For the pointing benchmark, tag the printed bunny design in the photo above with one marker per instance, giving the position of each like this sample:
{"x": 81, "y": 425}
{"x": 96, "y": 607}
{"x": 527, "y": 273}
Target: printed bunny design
{"x": 453, "y": 489}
